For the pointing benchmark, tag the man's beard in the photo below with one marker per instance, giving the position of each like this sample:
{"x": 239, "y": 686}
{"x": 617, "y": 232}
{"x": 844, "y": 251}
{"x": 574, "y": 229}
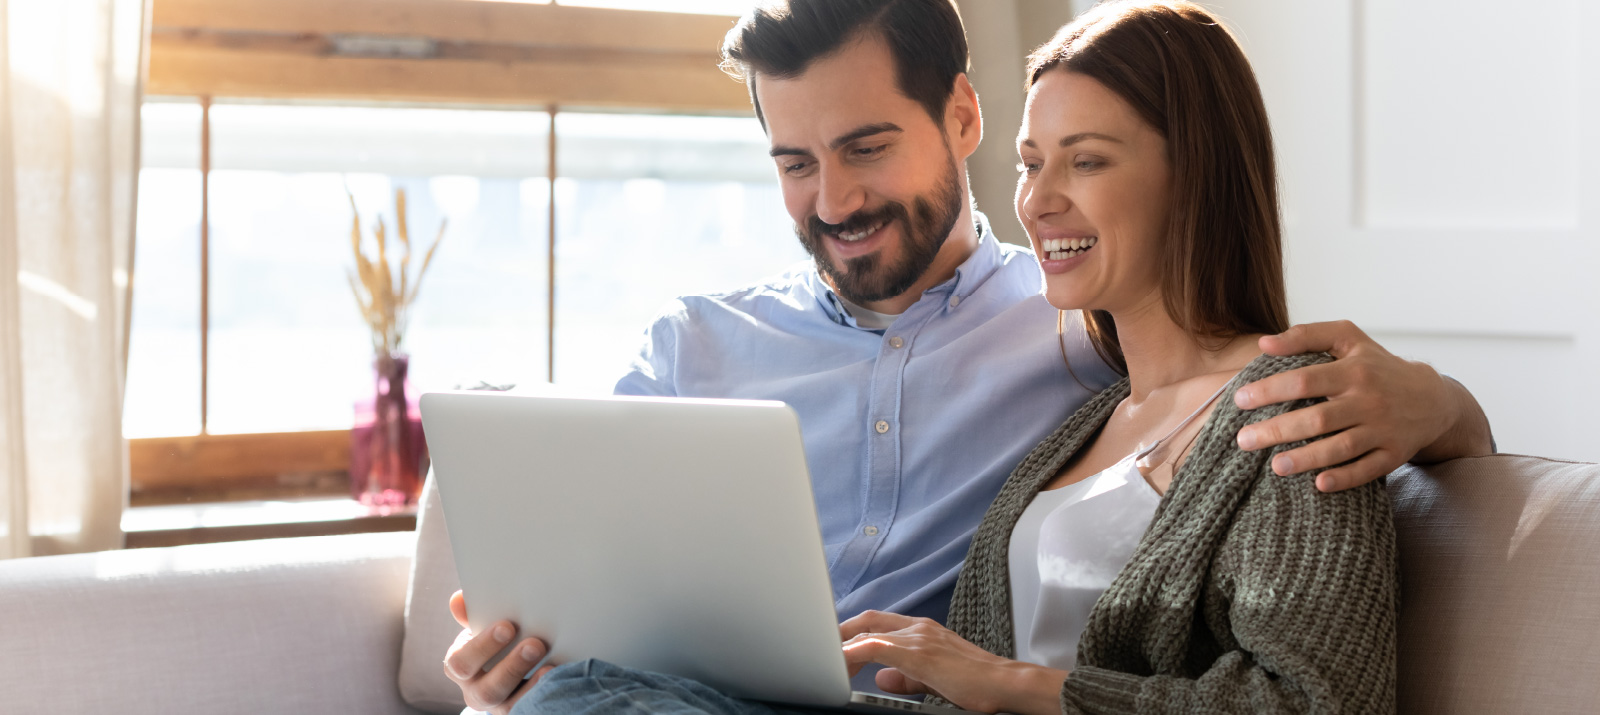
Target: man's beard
{"x": 868, "y": 278}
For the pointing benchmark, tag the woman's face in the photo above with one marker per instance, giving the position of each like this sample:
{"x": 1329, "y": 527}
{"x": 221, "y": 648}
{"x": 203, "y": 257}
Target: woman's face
{"x": 1092, "y": 194}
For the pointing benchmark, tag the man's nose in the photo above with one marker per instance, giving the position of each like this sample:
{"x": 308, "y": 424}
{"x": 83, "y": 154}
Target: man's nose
{"x": 839, "y": 196}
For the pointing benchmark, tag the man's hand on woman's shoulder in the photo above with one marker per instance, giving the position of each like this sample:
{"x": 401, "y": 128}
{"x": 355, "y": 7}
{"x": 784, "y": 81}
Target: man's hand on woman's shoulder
{"x": 1381, "y": 410}
{"x": 497, "y": 689}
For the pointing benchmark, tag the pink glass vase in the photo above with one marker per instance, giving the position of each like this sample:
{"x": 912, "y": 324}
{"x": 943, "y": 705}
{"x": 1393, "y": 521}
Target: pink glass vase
{"x": 386, "y": 445}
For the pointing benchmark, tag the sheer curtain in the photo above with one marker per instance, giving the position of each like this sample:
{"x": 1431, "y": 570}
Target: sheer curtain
{"x": 69, "y": 100}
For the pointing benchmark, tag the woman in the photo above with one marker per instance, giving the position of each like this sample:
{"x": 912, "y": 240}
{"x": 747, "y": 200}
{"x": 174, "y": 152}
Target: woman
{"x": 1138, "y": 560}
{"x": 1148, "y": 190}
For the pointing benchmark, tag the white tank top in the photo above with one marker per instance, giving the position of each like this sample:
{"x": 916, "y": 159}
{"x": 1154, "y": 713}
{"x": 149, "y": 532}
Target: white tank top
{"x": 1067, "y": 547}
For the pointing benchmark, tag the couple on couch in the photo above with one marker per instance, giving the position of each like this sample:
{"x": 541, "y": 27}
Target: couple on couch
{"x": 1157, "y": 495}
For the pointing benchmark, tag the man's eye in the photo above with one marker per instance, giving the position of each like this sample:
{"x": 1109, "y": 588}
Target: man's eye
{"x": 868, "y": 151}
{"x": 795, "y": 168}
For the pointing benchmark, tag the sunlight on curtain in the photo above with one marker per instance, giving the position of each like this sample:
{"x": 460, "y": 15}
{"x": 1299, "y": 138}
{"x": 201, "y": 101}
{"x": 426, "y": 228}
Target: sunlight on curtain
{"x": 68, "y": 158}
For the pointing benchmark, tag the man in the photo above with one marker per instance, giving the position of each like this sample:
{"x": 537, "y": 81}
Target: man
{"x": 917, "y": 351}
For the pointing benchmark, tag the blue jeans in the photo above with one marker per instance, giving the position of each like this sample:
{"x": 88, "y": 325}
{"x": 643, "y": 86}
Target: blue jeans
{"x": 595, "y": 687}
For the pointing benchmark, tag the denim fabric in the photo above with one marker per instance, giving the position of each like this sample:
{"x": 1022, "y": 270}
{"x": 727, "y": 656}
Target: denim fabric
{"x": 595, "y": 687}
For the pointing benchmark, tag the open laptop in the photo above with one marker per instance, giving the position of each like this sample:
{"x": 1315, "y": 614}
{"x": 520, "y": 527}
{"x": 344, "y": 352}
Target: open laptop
{"x": 672, "y": 535}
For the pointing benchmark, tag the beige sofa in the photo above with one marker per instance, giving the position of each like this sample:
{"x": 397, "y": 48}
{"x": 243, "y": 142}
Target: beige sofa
{"x": 1500, "y": 559}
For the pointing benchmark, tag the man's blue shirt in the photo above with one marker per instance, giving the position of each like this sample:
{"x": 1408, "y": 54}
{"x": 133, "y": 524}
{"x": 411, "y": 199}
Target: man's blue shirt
{"x": 909, "y": 432}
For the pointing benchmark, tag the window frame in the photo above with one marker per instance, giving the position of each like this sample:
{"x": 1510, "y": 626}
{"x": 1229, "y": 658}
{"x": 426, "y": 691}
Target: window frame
{"x": 448, "y": 53}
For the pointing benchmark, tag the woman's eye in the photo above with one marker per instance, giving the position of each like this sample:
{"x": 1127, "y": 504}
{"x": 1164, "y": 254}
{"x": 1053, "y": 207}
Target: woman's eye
{"x": 1024, "y": 167}
{"x": 1087, "y": 164}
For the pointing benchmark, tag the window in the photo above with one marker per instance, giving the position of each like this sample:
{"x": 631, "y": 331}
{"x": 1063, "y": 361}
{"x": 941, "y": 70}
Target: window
{"x": 648, "y": 207}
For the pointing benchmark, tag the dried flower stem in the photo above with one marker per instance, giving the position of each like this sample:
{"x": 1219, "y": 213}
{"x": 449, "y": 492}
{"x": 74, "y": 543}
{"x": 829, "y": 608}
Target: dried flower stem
{"x": 385, "y": 305}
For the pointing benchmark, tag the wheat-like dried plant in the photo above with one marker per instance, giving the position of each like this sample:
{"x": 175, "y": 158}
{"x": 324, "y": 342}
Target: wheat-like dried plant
{"x": 385, "y": 305}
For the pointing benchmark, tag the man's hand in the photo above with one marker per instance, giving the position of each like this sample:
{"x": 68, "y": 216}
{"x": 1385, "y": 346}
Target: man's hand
{"x": 925, "y": 657}
{"x": 1382, "y": 410}
{"x": 498, "y": 689}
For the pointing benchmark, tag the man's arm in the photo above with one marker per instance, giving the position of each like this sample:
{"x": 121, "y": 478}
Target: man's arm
{"x": 1381, "y": 410}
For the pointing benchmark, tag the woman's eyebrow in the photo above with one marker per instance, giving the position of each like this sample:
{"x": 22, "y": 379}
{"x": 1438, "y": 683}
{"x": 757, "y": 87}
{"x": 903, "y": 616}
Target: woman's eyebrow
{"x": 1071, "y": 139}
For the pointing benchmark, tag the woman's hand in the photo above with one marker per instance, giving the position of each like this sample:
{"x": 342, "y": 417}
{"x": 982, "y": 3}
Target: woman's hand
{"x": 925, "y": 657}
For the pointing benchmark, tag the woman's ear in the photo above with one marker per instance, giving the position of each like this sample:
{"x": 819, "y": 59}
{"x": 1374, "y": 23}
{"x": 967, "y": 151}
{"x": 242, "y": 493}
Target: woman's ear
{"x": 963, "y": 118}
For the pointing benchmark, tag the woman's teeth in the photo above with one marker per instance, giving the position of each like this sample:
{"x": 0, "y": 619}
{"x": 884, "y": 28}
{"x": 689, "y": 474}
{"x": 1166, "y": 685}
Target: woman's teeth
{"x": 1059, "y": 249}
{"x": 863, "y": 233}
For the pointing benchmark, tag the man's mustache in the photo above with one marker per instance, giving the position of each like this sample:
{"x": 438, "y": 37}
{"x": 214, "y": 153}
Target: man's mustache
{"x": 857, "y": 221}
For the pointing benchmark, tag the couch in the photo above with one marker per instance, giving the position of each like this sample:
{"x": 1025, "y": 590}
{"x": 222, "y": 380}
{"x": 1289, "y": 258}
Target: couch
{"x": 1500, "y": 561}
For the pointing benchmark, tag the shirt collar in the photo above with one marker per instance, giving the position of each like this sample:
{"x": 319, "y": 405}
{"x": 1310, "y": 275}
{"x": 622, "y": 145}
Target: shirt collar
{"x": 969, "y": 276}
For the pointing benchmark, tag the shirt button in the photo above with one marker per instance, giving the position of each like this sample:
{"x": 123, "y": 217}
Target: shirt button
{"x": 896, "y": 343}
{"x": 882, "y": 426}
{"x": 955, "y": 300}
{"x": 870, "y": 531}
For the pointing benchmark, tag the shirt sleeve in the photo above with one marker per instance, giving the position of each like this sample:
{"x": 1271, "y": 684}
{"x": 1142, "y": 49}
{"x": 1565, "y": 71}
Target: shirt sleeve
{"x": 1307, "y": 586}
{"x": 652, "y": 372}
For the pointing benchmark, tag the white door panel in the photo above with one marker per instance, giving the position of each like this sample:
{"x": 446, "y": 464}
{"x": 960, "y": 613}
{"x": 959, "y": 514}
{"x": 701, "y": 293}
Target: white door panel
{"x": 1438, "y": 160}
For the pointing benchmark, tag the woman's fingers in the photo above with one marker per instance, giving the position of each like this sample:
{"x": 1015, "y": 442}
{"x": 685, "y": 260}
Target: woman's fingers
{"x": 893, "y": 680}
{"x": 874, "y": 622}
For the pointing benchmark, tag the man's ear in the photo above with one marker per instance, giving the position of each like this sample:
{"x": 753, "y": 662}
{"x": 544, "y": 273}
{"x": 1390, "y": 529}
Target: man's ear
{"x": 963, "y": 119}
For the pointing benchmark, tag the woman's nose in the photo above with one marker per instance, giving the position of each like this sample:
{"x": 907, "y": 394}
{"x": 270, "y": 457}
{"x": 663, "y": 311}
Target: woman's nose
{"x": 1041, "y": 197}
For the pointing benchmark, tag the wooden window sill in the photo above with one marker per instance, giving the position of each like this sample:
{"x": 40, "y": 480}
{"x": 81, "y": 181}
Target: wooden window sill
{"x": 180, "y": 524}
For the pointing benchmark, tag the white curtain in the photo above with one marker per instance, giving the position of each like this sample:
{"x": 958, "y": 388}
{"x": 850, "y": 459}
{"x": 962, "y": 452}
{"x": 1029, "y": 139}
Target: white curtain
{"x": 69, "y": 103}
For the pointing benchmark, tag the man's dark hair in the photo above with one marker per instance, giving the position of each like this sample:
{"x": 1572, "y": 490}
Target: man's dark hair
{"x": 782, "y": 38}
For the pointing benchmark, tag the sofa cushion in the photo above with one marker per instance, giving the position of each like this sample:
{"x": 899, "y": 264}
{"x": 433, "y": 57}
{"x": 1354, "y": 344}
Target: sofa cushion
{"x": 308, "y": 625}
{"x": 1500, "y": 585}
{"x": 430, "y": 629}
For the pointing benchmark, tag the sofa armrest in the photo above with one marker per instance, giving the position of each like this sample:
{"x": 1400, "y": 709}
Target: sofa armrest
{"x": 271, "y": 626}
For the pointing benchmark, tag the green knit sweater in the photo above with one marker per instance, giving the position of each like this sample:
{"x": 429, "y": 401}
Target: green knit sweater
{"x": 1249, "y": 592}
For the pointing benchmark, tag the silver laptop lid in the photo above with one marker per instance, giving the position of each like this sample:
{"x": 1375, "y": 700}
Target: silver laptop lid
{"x": 673, "y": 535}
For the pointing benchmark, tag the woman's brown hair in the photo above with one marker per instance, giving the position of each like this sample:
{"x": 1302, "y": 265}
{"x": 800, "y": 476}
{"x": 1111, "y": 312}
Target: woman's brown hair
{"x": 1182, "y": 71}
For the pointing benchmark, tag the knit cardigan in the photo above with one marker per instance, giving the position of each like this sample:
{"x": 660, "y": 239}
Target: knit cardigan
{"x": 1249, "y": 592}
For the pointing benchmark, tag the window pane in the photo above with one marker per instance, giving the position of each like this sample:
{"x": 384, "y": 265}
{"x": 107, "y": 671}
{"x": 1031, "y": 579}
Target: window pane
{"x": 649, "y": 208}
{"x": 163, "y": 390}
{"x": 289, "y": 350}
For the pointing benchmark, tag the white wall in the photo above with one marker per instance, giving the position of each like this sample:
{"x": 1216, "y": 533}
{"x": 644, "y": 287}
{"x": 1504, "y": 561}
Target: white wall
{"x": 1000, "y": 33}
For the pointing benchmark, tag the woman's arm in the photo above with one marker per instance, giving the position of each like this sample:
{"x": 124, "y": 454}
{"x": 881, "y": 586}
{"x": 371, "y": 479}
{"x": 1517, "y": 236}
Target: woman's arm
{"x": 1303, "y": 601}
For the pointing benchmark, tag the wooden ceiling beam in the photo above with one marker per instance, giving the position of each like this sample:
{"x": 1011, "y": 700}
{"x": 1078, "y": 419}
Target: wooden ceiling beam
{"x": 667, "y": 84}
{"x": 455, "y": 21}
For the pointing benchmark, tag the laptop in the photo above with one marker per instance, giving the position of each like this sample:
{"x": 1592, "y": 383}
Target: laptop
{"x": 672, "y": 535}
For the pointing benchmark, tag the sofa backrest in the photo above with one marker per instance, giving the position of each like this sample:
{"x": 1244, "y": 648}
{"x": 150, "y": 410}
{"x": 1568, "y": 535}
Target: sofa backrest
{"x": 1500, "y": 586}
{"x": 1500, "y": 582}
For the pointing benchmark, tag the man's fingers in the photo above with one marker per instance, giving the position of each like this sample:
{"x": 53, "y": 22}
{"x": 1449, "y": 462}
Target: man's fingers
{"x": 1346, "y": 446}
{"x": 466, "y": 659}
{"x": 1337, "y": 337}
{"x": 1377, "y": 463}
{"x": 1323, "y": 418}
{"x": 521, "y": 691}
{"x": 493, "y": 688}
{"x": 458, "y": 607}
{"x": 1298, "y": 384}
